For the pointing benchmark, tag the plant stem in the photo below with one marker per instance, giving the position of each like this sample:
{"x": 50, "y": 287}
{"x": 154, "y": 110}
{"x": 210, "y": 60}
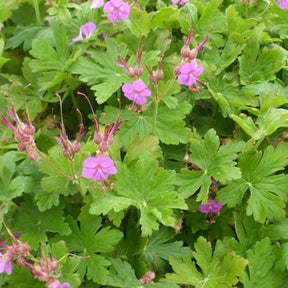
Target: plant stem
{"x": 52, "y": 166}
{"x": 37, "y": 12}
{"x": 155, "y": 116}
{"x": 72, "y": 168}
{"x": 168, "y": 87}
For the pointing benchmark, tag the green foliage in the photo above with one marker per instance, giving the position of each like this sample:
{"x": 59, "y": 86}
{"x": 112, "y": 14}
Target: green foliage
{"x": 35, "y": 224}
{"x": 267, "y": 190}
{"x": 92, "y": 242}
{"x": 101, "y": 72}
{"x": 6, "y": 7}
{"x": 124, "y": 276}
{"x": 11, "y": 185}
{"x": 264, "y": 275}
{"x": 214, "y": 161}
{"x": 215, "y": 271}
{"x": 149, "y": 222}
{"x": 256, "y": 66}
{"x": 140, "y": 22}
{"x": 159, "y": 247}
{"x": 147, "y": 187}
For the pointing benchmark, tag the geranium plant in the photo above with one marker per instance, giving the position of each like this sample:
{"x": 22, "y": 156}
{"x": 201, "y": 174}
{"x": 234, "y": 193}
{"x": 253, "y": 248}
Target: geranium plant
{"x": 143, "y": 143}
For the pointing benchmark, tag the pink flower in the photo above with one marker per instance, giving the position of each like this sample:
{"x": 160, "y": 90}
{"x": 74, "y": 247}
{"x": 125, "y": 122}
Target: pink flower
{"x": 117, "y": 9}
{"x": 97, "y": 4}
{"x": 283, "y": 4}
{"x": 181, "y": 2}
{"x": 87, "y": 30}
{"x": 56, "y": 284}
{"x": 5, "y": 264}
{"x": 99, "y": 169}
{"x": 136, "y": 92}
{"x": 189, "y": 73}
{"x": 211, "y": 207}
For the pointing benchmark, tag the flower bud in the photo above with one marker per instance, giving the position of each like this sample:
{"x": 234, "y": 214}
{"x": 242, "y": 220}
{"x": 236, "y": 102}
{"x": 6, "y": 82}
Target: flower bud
{"x": 186, "y": 159}
{"x": 185, "y": 51}
{"x": 138, "y": 71}
{"x": 177, "y": 70}
{"x": 193, "y": 54}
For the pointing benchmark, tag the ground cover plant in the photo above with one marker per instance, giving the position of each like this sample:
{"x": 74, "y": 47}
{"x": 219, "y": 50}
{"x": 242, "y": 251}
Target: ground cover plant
{"x": 143, "y": 143}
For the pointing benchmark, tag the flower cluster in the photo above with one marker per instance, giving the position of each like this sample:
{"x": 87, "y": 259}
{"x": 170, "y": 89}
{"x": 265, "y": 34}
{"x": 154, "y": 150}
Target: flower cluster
{"x": 188, "y": 70}
{"x": 69, "y": 148}
{"x": 23, "y": 131}
{"x": 137, "y": 92}
{"x": 44, "y": 271}
{"x": 100, "y": 167}
{"x": 17, "y": 250}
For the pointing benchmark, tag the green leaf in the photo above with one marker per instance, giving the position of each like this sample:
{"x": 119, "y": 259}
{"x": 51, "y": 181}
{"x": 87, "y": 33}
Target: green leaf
{"x": 246, "y": 123}
{"x": 165, "y": 17}
{"x": 228, "y": 55}
{"x": 170, "y": 126}
{"x": 6, "y": 7}
{"x": 214, "y": 271}
{"x": 141, "y": 23}
{"x": 100, "y": 72}
{"x": 46, "y": 200}
{"x": 248, "y": 233}
{"x": 202, "y": 22}
{"x": 236, "y": 23}
{"x": 138, "y": 146}
{"x": 277, "y": 231}
{"x": 26, "y": 36}
{"x": 52, "y": 61}
{"x": 124, "y": 276}
{"x": 145, "y": 186}
{"x": 268, "y": 191}
{"x": 256, "y": 66}
{"x": 90, "y": 241}
{"x": 279, "y": 21}
{"x": 3, "y": 60}
{"x": 214, "y": 161}
{"x": 158, "y": 249}
{"x": 226, "y": 91}
{"x": 260, "y": 268}
{"x": 34, "y": 224}
{"x": 11, "y": 185}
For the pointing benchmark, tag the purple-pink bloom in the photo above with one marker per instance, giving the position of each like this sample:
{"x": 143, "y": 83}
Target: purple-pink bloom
{"x": 87, "y": 30}
{"x": 136, "y": 92}
{"x": 56, "y": 284}
{"x": 98, "y": 169}
{"x": 211, "y": 207}
{"x": 117, "y": 9}
{"x": 189, "y": 73}
{"x": 5, "y": 265}
{"x": 97, "y": 4}
{"x": 181, "y": 2}
{"x": 283, "y": 4}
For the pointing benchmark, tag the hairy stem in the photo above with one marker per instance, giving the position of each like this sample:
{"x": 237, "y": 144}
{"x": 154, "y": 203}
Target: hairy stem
{"x": 52, "y": 166}
{"x": 37, "y": 12}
